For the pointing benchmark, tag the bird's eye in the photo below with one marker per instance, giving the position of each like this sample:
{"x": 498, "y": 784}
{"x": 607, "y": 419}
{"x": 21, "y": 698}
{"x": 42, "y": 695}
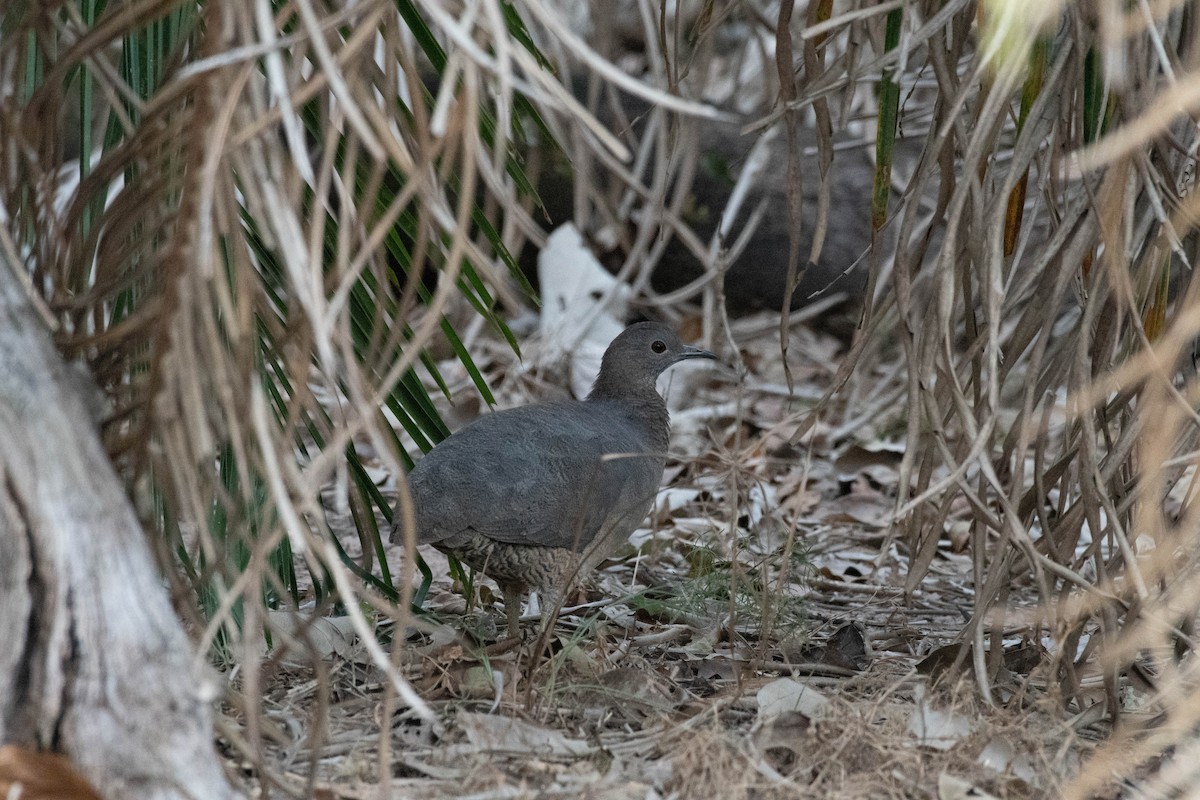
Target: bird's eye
{"x": 659, "y": 347}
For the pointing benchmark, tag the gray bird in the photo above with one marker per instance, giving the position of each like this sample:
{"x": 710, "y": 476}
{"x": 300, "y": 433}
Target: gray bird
{"x": 536, "y": 495}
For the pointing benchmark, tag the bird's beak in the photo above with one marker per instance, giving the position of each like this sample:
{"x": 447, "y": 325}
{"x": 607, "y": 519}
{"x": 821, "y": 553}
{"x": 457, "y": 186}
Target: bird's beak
{"x": 695, "y": 352}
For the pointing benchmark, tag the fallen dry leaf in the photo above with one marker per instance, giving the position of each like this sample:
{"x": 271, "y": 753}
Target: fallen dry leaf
{"x": 506, "y": 734}
{"x": 35, "y": 775}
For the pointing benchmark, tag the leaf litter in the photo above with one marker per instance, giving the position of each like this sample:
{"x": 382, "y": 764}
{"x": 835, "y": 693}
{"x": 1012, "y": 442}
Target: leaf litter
{"x": 755, "y": 639}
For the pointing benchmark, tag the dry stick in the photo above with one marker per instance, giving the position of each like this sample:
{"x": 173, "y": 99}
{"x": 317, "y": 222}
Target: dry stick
{"x": 931, "y": 31}
{"x": 1091, "y": 484}
{"x": 342, "y": 436}
{"x": 1062, "y": 278}
{"x": 902, "y": 297}
{"x": 324, "y": 550}
{"x": 649, "y": 226}
{"x": 272, "y": 113}
{"x": 387, "y": 706}
{"x": 195, "y": 248}
{"x": 672, "y": 217}
{"x": 555, "y": 25}
{"x": 317, "y": 735}
{"x": 502, "y": 44}
{"x": 989, "y": 118}
{"x": 1123, "y": 753}
{"x": 551, "y": 611}
{"x": 814, "y": 63}
{"x": 754, "y": 163}
{"x": 795, "y": 198}
{"x": 337, "y": 84}
{"x": 642, "y": 257}
{"x": 376, "y": 235}
{"x": 821, "y": 29}
{"x": 336, "y": 445}
{"x": 939, "y": 143}
{"x": 874, "y": 409}
{"x": 663, "y": 133}
{"x": 366, "y": 403}
{"x": 1146, "y": 479}
{"x": 719, "y": 259}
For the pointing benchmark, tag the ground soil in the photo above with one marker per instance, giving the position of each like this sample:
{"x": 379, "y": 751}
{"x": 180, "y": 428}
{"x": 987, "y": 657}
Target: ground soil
{"x": 757, "y": 638}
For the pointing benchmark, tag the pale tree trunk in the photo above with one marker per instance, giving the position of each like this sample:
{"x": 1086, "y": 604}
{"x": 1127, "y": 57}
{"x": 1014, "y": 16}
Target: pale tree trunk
{"x": 93, "y": 661}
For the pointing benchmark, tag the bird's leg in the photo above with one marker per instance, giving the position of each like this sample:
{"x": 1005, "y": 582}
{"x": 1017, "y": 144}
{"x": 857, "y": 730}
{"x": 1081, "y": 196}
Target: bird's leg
{"x": 512, "y": 607}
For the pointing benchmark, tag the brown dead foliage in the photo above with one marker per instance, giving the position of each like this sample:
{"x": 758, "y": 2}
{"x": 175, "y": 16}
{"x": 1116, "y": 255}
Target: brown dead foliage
{"x": 702, "y": 660}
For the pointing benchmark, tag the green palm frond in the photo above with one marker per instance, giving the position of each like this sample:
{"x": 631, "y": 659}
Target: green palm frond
{"x": 261, "y": 240}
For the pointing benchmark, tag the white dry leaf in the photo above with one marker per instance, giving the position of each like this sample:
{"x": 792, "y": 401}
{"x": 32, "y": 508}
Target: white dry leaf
{"x": 679, "y": 386}
{"x": 1000, "y": 755}
{"x": 849, "y": 563}
{"x": 865, "y": 507}
{"x": 935, "y": 728}
{"x": 771, "y": 534}
{"x": 326, "y": 636}
{"x": 953, "y": 565}
{"x": 697, "y": 418}
{"x": 690, "y": 435}
{"x": 858, "y": 457}
{"x": 1178, "y": 493}
{"x": 640, "y": 537}
{"x": 480, "y": 679}
{"x": 583, "y": 306}
{"x": 488, "y": 732}
{"x": 674, "y": 498}
{"x": 760, "y": 499}
{"x": 647, "y": 770}
{"x": 952, "y": 788}
{"x": 696, "y": 526}
{"x": 636, "y": 686}
{"x": 620, "y": 615}
{"x": 376, "y": 474}
{"x": 797, "y": 495}
{"x": 789, "y": 695}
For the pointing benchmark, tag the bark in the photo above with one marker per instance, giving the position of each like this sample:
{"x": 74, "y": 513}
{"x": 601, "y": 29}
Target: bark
{"x": 93, "y": 661}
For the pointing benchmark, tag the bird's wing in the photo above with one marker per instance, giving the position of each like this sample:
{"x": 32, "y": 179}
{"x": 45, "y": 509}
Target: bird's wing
{"x": 536, "y": 479}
